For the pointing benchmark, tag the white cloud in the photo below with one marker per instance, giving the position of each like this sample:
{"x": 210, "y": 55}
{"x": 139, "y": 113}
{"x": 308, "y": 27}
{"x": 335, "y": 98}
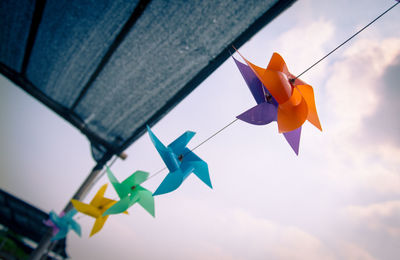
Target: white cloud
{"x": 304, "y": 43}
{"x": 351, "y": 251}
{"x": 352, "y": 94}
{"x": 377, "y": 217}
{"x": 273, "y": 241}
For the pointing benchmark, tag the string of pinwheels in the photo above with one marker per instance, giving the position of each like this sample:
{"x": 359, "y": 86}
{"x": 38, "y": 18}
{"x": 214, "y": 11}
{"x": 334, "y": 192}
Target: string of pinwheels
{"x": 280, "y": 96}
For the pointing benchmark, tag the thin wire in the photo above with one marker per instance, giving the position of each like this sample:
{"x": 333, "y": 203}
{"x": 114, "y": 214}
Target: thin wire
{"x": 156, "y": 173}
{"x": 226, "y": 126}
{"x": 223, "y": 128}
{"x": 343, "y": 43}
{"x": 332, "y": 51}
{"x": 219, "y": 131}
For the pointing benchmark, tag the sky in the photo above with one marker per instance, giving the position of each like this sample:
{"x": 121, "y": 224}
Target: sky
{"x": 339, "y": 199}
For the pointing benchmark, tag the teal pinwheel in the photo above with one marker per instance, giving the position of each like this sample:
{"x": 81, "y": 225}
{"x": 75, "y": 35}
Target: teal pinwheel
{"x": 62, "y": 224}
{"x": 180, "y": 161}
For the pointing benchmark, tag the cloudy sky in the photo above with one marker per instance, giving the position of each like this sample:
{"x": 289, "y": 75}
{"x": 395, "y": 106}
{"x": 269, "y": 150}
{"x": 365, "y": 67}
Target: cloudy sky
{"x": 339, "y": 199}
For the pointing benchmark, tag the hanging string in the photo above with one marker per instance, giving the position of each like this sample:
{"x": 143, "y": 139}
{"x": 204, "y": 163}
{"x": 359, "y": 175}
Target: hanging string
{"x": 343, "y": 43}
{"x": 229, "y": 124}
{"x": 332, "y": 51}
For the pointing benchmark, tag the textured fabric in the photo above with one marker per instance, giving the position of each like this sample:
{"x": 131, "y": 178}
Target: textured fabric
{"x": 110, "y": 86}
{"x": 15, "y": 21}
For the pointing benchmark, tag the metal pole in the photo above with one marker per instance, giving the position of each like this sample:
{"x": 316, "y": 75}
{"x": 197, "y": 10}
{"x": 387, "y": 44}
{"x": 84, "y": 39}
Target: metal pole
{"x": 79, "y": 195}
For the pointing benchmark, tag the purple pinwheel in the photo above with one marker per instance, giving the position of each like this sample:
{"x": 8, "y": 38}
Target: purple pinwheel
{"x": 266, "y": 109}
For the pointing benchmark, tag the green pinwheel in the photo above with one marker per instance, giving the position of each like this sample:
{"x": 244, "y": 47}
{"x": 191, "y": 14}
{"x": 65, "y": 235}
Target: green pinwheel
{"x": 130, "y": 192}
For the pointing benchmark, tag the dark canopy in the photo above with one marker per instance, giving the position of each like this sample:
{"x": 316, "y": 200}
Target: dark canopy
{"x": 110, "y": 67}
{"x": 25, "y": 220}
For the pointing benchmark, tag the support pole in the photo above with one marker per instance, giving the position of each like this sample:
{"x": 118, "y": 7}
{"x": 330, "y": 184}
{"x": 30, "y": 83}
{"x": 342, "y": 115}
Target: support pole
{"x": 45, "y": 242}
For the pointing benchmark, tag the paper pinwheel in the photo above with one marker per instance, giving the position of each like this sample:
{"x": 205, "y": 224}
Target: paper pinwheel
{"x": 280, "y": 97}
{"x": 180, "y": 162}
{"x": 295, "y": 99}
{"x": 62, "y": 223}
{"x": 130, "y": 192}
{"x": 96, "y": 208}
{"x": 266, "y": 109}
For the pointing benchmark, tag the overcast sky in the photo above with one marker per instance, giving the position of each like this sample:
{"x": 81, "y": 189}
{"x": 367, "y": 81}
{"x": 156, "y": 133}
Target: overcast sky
{"x": 339, "y": 199}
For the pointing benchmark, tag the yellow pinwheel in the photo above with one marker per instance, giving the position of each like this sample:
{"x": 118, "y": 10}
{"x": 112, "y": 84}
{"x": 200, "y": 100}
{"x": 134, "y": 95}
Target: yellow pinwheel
{"x": 96, "y": 208}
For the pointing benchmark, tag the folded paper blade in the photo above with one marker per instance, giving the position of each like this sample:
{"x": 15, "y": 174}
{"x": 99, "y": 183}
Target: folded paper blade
{"x": 146, "y": 200}
{"x": 136, "y": 178}
{"x": 277, "y": 84}
{"x": 171, "y": 182}
{"x": 60, "y": 235}
{"x": 181, "y": 142}
{"x": 121, "y": 206}
{"x": 86, "y": 209}
{"x": 96, "y": 201}
{"x": 277, "y": 63}
{"x": 293, "y": 138}
{"x": 201, "y": 171}
{"x": 76, "y": 227}
{"x": 271, "y": 80}
{"x": 293, "y": 113}
{"x": 167, "y": 155}
{"x": 121, "y": 191}
{"x": 308, "y": 93}
{"x": 157, "y": 143}
{"x": 70, "y": 214}
{"x": 254, "y": 84}
{"x": 261, "y": 114}
{"x": 98, "y": 225}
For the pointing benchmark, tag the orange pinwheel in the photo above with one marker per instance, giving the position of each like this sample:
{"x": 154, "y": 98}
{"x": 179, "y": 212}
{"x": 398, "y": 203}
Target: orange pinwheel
{"x": 295, "y": 98}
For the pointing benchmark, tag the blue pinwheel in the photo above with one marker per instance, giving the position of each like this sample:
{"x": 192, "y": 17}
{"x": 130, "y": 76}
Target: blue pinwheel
{"x": 180, "y": 161}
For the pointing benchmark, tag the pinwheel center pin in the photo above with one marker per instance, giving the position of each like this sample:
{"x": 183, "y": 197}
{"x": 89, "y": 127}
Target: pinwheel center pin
{"x": 268, "y": 97}
{"x": 180, "y": 157}
{"x": 133, "y": 187}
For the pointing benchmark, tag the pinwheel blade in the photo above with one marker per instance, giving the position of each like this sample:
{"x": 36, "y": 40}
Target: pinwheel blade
{"x": 119, "y": 207}
{"x": 97, "y": 199}
{"x": 115, "y": 183}
{"x": 136, "y": 178}
{"x": 254, "y": 84}
{"x": 98, "y": 225}
{"x": 75, "y": 227}
{"x": 86, "y": 209}
{"x": 60, "y": 235}
{"x": 261, "y": 114}
{"x": 200, "y": 167}
{"x": 170, "y": 183}
{"x": 157, "y": 143}
{"x": 146, "y": 200}
{"x": 293, "y": 113}
{"x": 308, "y": 94}
{"x": 180, "y": 143}
{"x": 277, "y": 63}
{"x": 293, "y": 138}
{"x": 166, "y": 154}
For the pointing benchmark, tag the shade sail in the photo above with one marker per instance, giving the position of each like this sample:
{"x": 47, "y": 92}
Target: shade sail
{"x": 26, "y": 220}
{"x": 111, "y": 67}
